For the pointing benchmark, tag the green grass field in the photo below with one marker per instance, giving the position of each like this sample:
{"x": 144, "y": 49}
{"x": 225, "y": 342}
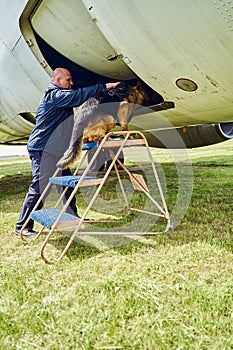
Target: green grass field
{"x": 169, "y": 291}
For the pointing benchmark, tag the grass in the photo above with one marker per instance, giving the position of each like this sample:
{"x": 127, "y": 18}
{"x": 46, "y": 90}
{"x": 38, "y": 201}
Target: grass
{"x": 170, "y": 291}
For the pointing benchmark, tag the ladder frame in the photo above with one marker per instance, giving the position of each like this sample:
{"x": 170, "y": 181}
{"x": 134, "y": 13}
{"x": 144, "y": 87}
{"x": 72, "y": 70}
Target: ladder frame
{"x": 106, "y": 143}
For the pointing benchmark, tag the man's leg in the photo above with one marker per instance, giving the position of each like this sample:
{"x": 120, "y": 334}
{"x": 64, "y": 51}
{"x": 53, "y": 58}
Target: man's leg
{"x": 43, "y": 167}
{"x": 33, "y": 192}
{"x": 72, "y": 209}
{"x": 48, "y": 168}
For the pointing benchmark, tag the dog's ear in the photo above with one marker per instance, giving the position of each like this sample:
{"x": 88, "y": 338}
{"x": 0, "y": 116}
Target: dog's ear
{"x": 140, "y": 85}
{"x": 123, "y": 85}
{"x": 131, "y": 82}
{"x": 122, "y": 90}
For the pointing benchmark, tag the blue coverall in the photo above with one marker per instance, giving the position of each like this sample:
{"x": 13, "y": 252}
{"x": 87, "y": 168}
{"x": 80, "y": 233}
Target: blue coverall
{"x": 50, "y": 139}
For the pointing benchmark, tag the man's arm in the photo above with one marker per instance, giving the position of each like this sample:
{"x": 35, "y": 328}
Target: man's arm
{"x": 112, "y": 85}
{"x": 74, "y": 98}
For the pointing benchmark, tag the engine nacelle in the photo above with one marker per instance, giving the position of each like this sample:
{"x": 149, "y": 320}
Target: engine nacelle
{"x": 192, "y": 136}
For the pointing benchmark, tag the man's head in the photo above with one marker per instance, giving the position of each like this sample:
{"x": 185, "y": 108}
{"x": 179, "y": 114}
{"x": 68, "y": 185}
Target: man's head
{"x": 62, "y": 78}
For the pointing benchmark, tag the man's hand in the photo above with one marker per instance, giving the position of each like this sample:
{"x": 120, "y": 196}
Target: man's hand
{"x": 112, "y": 85}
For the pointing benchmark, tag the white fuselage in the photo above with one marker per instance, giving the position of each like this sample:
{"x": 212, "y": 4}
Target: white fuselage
{"x": 159, "y": 41}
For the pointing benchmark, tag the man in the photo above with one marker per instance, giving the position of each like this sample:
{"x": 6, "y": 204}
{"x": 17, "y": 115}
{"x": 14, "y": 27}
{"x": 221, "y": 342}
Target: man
{"x": 50, "y": 138}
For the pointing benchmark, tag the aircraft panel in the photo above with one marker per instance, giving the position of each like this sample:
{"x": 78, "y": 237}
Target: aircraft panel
{"x": 162, "y": 41}
{"x": 68, "y": 28}
{"x": 20, "y": 89}
{"x": 9, "y": 12}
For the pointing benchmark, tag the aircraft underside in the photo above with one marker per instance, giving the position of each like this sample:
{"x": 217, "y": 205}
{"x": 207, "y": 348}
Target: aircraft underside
{"x": 177, "y": 48}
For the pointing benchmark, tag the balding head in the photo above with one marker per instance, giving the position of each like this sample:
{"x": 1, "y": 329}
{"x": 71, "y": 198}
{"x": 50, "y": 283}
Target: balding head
{"x": 62, "y": 78}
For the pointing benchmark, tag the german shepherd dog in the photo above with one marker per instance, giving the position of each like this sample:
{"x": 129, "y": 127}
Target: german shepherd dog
{"x": 100, "y": 113}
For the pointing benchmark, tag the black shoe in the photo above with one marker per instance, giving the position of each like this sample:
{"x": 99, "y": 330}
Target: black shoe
{"x": 86, "y": 219}
{"x": 76, "y": 215}
{"x": 27, "y": 232}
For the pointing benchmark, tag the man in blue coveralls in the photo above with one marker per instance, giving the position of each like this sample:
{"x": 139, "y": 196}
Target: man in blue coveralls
{"x": 50, "y": 138}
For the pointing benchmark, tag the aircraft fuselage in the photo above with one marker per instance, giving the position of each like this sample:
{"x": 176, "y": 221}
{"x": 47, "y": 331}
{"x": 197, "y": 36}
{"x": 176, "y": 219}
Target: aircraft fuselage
{"x": 181, "y": 49}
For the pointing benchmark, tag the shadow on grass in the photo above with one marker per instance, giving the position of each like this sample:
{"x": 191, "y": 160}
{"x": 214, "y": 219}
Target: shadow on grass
{"x": 208, "y": 219}
{"x": 213, "y": 161}
{"x": 13, "y": 188}
{"x": 81, "y": 249}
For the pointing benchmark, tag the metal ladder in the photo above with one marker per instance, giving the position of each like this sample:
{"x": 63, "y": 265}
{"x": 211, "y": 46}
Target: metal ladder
{"x": 54, "y": 218}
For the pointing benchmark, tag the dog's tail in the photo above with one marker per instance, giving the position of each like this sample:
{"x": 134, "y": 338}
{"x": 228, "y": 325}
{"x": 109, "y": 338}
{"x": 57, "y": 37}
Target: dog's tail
{"x": 81, "y": 119}
{"x": 72, "y": 154}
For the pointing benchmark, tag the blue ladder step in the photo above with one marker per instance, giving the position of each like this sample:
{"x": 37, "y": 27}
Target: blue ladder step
{"x": 89, "y": 145}
{"x": 47, "y": 217}
{"x": 71, "y": 181}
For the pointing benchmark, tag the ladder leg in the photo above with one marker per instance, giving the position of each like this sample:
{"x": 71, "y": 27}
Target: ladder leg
{"x": 44, "y": 245}
{"x": 96, "y": 193}
{"x": 121, "y": 186}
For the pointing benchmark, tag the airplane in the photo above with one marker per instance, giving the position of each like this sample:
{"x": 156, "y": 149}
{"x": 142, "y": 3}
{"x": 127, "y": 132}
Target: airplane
{"x": 181, "y": 49}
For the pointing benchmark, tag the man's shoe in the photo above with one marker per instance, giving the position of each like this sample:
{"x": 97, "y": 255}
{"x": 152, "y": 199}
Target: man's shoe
{"x": 86, "y": 219}
{"x": 27, "y": 232}
{"x": 79, "y": 217}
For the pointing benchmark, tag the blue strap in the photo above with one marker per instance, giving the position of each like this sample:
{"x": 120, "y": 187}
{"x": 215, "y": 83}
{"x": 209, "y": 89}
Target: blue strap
{"x": 89, "y": 145}
{"x": 69, "y": 181}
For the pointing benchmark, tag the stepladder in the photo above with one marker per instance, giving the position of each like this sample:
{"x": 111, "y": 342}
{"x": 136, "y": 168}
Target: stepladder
{"x": 124, "y": 180}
